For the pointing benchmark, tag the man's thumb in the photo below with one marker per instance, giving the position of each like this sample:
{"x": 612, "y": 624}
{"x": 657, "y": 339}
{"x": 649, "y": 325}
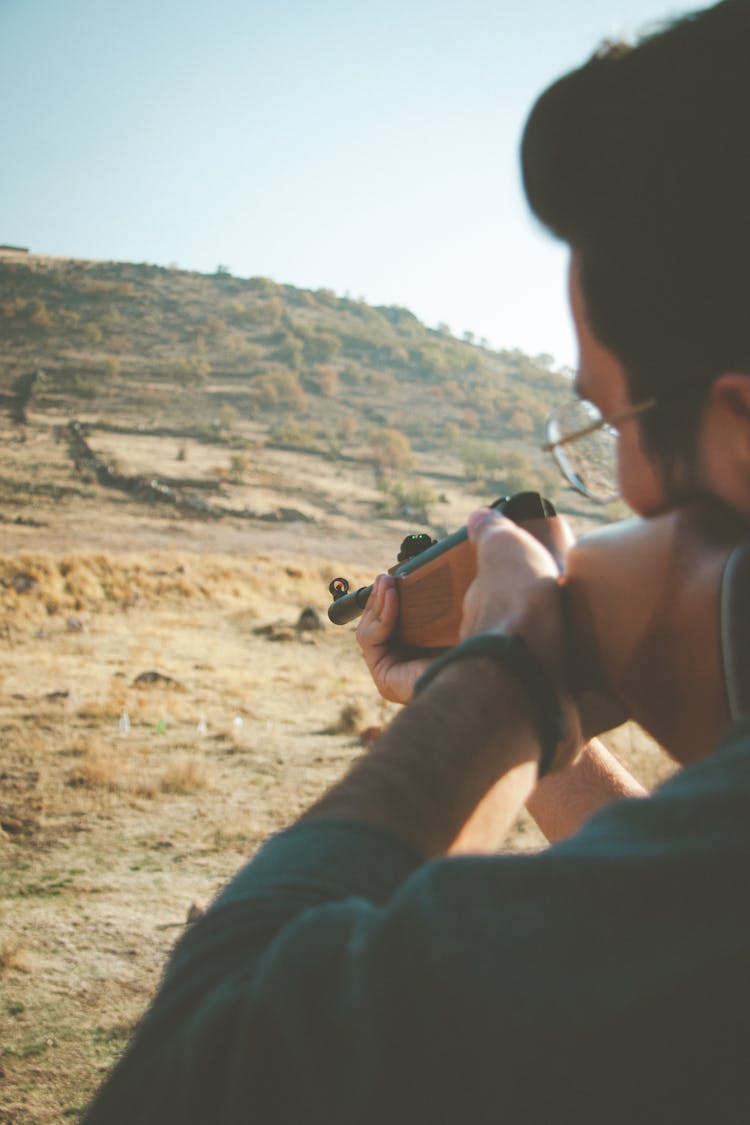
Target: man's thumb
{"x": 479, "y": 521}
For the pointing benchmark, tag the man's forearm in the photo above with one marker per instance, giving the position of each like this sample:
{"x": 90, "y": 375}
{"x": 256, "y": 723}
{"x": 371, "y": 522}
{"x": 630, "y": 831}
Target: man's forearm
{"x": 562, "y": 802}
{"x": 466, "y": 749}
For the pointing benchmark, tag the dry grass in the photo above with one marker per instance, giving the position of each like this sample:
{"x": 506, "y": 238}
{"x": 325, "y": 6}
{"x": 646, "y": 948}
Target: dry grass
{"x": 38, "y": 586}
{"x": 14, "y": 958}
{"x": 184, "y": 775}
{"x": 101, "y": 767}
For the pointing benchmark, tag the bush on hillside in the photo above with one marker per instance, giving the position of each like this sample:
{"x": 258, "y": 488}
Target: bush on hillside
{"x": 409, "y": 500}
{"x": 391, "y": 450}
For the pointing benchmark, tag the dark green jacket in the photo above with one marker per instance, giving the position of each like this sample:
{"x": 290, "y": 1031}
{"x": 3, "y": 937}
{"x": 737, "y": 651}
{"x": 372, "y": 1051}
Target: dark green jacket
{"x": 340, "y": 979}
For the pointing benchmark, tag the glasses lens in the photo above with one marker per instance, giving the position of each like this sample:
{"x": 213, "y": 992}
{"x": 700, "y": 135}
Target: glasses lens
{"x": 588, "y": 462}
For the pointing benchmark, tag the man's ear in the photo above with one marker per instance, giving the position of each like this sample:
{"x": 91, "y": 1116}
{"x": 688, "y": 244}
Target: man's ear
{"x": 730, "y": 393}
{"x": 726, "y": 440}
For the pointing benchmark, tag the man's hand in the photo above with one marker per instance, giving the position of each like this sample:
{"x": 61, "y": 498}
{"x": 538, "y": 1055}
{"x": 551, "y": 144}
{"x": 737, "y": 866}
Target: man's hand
{"x": 394, "y": 678}
{"x": 516, "y": 592}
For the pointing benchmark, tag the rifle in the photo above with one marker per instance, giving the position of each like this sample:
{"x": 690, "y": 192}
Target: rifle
{"x": 658, "y": 614}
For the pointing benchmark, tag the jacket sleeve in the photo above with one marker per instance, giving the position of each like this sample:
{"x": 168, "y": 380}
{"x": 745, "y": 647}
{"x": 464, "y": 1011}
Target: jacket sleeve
{"x": 205, "y": 1047}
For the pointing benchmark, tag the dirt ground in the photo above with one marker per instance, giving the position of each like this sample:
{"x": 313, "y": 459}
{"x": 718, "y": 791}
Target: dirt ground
{"x": 161, "y": 714}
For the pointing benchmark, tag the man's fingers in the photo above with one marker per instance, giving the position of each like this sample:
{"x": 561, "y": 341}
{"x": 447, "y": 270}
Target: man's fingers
{"x": 375, "y": 600}
{"x": 486, "y": 526}
{"x": 379, "y": 615}
{"x": 389, "y": 608}
{"x": 501, "y": 540}
{"x": 481, "y": 521}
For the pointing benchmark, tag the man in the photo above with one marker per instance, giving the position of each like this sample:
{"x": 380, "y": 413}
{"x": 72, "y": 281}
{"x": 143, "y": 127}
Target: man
{"x": 341, "y": 976}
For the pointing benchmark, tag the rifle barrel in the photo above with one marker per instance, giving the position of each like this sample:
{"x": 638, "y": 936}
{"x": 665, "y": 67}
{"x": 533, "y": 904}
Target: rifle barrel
{"x": 349, "y": 607}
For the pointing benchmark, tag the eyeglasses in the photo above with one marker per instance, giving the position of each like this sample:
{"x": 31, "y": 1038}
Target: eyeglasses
{"x": 590, "y": 466}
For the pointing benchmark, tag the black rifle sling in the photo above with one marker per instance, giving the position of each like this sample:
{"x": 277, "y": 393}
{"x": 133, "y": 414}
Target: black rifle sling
{"x": 734, "y": 624}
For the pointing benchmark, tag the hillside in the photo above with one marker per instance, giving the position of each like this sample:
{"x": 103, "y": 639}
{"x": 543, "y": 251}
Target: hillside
{"x": 217, "y": 398}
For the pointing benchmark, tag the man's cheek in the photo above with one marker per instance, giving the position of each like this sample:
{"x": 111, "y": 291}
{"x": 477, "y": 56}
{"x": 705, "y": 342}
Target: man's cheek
{"x": 640, "y": 481}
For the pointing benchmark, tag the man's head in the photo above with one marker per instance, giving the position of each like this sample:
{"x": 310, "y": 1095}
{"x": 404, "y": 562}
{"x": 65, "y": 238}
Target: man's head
{"x": 640, "y": 160}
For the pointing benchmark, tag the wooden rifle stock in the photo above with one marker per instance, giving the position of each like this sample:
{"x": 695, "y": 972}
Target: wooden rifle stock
{"x": 431, "y": 594}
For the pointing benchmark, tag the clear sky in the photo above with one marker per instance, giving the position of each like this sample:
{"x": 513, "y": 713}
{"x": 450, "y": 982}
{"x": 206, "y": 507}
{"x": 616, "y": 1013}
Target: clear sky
{"x": 366, "y": 147}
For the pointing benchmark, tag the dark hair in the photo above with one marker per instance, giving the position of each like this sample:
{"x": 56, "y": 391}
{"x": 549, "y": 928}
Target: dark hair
{"x": 640, "y": 159}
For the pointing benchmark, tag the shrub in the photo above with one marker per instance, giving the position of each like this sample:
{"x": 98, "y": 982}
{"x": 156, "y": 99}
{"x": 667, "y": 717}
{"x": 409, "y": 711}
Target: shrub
{"x": 452, "y": 390}
{"x": 11, "y": 309}
{"x": 384, "y": 382}
{"x": 514, "y": 474}
{"x": 83, "y": 387}
{"x": 263, "y": 285}
{"x": 471, "y": 420}
{"x": 291, "y": 432}
{"x": 290, "y": 350}
{"x": 431, "y": 360}
{"x": 504, "y": 471}
{"x": 521, "y": 422}
{"x": 110, "y": 321}
{"x": 41, "y": 316}
{"x": 390, "y": 449}
{"x": 239, "y": 464}
{"x": 320, "y": 346}
{"x": 195, "y": 369}
{"x": 411, "y": 500}
{"x": 480, "y": 459}
{"x": 348, "y": 427}
{"x": 451, "y": 433}
{"x": 280, "y": 387}
{"x": 326, "y": 380}
{"x": 184, "y": 775}
{"x": 101, "y": 768}
{"x": 327, "y": 297}
{"x": 228, "y": 416}
{"x": 69, "y": 318}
